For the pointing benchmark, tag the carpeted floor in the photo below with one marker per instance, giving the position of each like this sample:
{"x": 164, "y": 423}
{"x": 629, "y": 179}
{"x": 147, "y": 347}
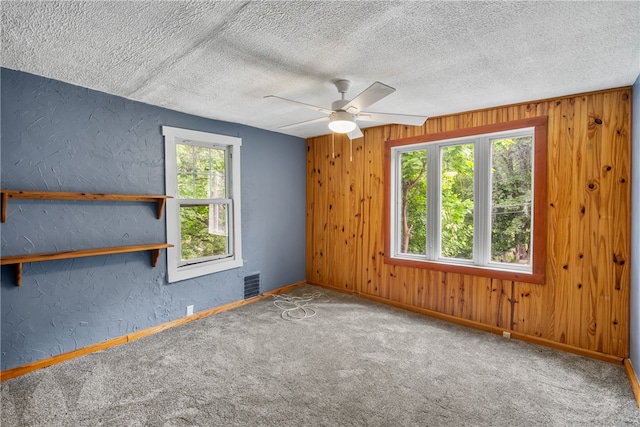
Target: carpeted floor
{"x": 356, "y": 363}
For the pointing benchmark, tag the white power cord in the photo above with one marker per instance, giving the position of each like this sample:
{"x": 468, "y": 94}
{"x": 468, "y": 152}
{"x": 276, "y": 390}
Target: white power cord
{"x": 298, "y": 308}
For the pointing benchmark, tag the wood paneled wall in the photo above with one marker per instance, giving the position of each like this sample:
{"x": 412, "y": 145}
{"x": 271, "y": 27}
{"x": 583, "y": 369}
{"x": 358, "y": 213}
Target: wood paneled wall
{"x": 584, "y": 302}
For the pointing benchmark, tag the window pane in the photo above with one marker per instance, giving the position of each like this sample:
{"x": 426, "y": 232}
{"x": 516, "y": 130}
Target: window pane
{"x": 218, "y": 176}
{"x": 511, "y": 199}
{"x": 217, "y": 160}
{"x": 201, "y": 159}
{"x": 218, "y": 219}
{"x": 201, "y": 172}
{"x": 203, "y": 231}
{"x": 218, "y": 186}
{"x": 184, "y": 157}
{"x": 193, "y": 186}
{"x": 201, "y": 186}
{"x": 457, "y": 202}
{"x": 186, "y": 186}
{"x": 413, "y": 202}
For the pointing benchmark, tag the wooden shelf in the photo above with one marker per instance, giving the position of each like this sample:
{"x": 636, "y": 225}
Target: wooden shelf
{"x": 58, "y": 195}
{"x": 18, "y": 260}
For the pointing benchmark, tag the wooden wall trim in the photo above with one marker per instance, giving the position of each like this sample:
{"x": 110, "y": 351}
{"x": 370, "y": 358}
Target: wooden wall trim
{"x": 537, "y": 277}
{"x": 633, "y": 379}
{"x": 484, "y": 327}
{"x": 472, "y": 131}
{"x": 40, "y": 364}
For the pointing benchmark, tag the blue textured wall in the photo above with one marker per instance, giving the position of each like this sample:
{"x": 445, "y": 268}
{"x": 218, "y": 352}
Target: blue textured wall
{"x": 60, "y": 137}
{"x": 634, "y": 303}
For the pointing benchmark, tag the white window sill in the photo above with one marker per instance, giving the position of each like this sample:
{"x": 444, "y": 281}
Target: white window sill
{"x": 196, "y": 270}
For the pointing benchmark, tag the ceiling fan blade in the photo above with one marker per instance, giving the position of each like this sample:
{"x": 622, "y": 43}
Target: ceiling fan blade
{"x": 306, "y": 122}
{"x": 356, "y": 133}
{"x": 401, "y": 119}
{"x": 302, "y": 104}
{"x": 369, "y": 96}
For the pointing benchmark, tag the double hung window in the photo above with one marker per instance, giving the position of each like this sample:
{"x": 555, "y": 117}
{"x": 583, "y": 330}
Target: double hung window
{"x": 203, "y": 217}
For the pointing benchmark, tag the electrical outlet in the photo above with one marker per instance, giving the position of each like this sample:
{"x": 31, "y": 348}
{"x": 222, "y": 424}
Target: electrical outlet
{"x": 189, "y": 310}
{"x": 506, "y": 334}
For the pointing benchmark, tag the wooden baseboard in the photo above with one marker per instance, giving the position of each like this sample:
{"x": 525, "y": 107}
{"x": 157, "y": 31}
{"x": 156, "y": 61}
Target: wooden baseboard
{"x": 484, "y": 327}
{"x": 633, "y": 379}
{"x": 33, "y": 366}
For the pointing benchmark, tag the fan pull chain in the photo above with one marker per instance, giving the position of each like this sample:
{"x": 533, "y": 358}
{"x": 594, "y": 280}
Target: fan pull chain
{"x": 333, "y": 146}
{"x": 350, "y": 150}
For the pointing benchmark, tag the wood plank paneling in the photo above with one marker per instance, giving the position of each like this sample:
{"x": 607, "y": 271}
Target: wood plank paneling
{"x": 584, "y": 302}
{"x": 582, "y": 226}
{"x": 617, "y": 130}
{"x": 601, "y": 216}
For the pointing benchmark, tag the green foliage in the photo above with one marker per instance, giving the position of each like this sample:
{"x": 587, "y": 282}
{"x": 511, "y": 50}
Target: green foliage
{"x": 511, "y": 197}
{"x": 457, "y": 201}
{"x": 201, "y": 172}
{"x": 196, "y": 239}
{"x": 414, "y": 201}
{"x": 201, "y": 175}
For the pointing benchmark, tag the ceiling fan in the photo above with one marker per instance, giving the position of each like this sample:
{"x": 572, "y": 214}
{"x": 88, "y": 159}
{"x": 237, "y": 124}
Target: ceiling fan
{"x": 344, "y": 113}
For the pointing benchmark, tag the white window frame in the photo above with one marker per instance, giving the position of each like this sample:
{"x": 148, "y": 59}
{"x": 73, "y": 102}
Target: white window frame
{"x": 175, "y": 268}
{"x": 482, "y": 200}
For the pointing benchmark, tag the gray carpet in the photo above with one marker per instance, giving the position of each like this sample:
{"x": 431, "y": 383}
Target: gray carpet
{"x": 356, "y": 363}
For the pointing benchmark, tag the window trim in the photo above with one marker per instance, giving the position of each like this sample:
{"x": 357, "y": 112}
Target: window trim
{"x": 537, "y": 274}
{"x": 175, "y": 269}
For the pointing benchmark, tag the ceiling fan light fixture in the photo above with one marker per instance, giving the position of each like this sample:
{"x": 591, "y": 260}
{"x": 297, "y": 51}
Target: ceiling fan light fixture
{"x": 341, "y": 122}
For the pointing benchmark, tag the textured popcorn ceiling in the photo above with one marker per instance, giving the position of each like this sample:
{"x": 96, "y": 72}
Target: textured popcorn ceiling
{"x": 219, "y": 59}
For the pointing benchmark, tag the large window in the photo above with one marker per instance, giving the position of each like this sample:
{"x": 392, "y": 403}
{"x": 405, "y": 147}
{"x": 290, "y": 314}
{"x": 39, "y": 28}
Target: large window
{"x": 470, "y": 201}
{"x": 203, "y": 215}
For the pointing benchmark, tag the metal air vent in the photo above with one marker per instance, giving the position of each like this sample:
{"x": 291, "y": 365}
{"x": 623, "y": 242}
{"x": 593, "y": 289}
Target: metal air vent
{"x": 252, "y": 286}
